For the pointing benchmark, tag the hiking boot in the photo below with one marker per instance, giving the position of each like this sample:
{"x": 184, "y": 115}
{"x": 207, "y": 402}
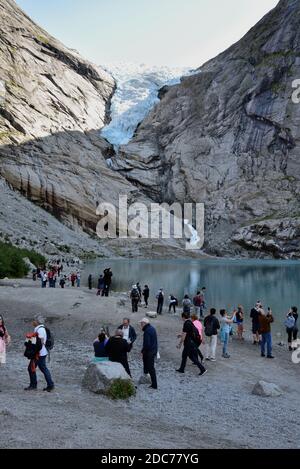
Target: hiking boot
{"x": 180, "y": 371}
{"x": 30, "y": 388}
{"x": 48, "y": 388}
{"x": 262, "y": 355}
{"x": 270, "y": 356}
{"x": 226, "y": 355}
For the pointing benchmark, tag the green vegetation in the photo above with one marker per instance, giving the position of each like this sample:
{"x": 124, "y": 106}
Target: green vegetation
{"x": 12, "y": 264}
{"x": 42, "y": 39}
{"x": 121, "y": 389}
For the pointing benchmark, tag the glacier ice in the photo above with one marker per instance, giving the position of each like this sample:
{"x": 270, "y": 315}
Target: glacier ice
{"x": 136, "y": 94}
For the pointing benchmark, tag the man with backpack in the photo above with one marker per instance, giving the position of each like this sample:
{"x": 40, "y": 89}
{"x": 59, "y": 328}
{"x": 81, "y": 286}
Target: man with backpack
{"x": 37, "y": 349}
{"x": 191, "y": 340}
{"x": 135, "y": 298}
{"x": 160, "y": 301}
{"x": 211, "y": 327}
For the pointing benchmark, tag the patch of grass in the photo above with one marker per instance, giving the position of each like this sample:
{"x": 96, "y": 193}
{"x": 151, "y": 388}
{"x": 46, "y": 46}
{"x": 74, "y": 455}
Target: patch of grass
{"x": 121, "y": 389}
{"x": 42, "y": 39}
{"x": 12, "y": 263}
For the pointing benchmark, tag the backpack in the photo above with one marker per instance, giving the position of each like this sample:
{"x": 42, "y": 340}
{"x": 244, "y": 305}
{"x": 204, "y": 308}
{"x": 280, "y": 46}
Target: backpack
{"x": 209, "y": 327}
{"x": 33, "y": 345}
{"x": 135, "y": 293}
{"x": 196, "y": 336}
{"x": 50, "y": 339}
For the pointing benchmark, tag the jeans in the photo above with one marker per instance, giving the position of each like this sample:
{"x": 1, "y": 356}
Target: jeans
{"x": 211, "y": 346}
{"x": 191, "y": 352}
{"x": 225, "y": 343}
{"x": 148, "y": 361}
{"x": 160, "y": 305}
{"x": 41, "y": 363}
{"x": 266, "y": 338}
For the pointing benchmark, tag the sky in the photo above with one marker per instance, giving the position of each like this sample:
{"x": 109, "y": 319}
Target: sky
{"x": 183, "y": 33}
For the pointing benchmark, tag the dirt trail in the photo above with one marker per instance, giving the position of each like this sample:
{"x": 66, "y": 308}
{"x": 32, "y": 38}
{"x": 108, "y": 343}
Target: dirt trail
{"x": 215, "y": 411}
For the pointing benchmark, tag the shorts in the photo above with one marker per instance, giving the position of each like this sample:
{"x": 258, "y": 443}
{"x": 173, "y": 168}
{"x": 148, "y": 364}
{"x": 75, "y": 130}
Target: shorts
{"x": 255, "y": 328}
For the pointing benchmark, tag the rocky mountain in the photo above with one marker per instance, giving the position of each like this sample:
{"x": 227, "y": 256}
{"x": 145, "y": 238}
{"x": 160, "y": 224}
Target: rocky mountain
{"x": 53, "y": 104}
{"x": 229, "y": 136}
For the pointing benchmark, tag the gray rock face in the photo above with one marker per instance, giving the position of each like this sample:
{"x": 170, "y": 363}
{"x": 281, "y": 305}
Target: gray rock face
{"x": 229, "y": 137}
{"x": 264, "y": 389}
{"x": 51, "y": 111}
{"x": 99, "y": 376}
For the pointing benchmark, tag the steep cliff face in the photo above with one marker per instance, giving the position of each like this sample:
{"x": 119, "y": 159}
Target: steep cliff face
{"x": 229, "y": 136}
{"x": 53, "y": 103}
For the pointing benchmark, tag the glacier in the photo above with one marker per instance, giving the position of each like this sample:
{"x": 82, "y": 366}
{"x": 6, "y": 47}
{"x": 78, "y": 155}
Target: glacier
{"x": 136, "y": 94}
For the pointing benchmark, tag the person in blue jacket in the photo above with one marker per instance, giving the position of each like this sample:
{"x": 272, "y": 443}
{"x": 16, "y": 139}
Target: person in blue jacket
{"x": 149, "y": 350}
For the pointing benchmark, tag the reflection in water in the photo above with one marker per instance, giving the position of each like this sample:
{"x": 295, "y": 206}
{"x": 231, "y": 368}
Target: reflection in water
{"x": 227, "y": 282}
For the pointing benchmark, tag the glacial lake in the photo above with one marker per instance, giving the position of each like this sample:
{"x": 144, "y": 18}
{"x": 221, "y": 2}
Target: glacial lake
{"x": 228, "y": 282}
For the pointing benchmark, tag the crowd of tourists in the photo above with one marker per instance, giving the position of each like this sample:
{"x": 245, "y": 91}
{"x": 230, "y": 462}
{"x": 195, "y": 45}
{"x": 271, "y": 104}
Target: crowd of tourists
{"x": 198, "y": 337}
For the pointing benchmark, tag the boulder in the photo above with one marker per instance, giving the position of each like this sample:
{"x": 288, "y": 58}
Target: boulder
{"x": 99, "y": 376}
{"x": 151, "y": 314}
{"x": 264, "y": 389}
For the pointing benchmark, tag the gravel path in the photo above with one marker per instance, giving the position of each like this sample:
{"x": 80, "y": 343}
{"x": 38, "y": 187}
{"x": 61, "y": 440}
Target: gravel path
{"x": 188, "y": 411}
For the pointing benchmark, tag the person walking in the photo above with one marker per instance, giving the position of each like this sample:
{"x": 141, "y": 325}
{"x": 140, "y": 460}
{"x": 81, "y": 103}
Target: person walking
{"x": 197, "y": 302}
{"x": 186, "y": 304}
{"x": 100, "y": 286}
{"x": 254, "y": 315}
{"x": 291, "y": 326}
{"x": 107, "y": 274}
{"x": 117, "y": 348}
{"x": 198, "y": 325}
{"x": 40, "y": 359}
{"x": 149, "y": 350}
{"x": 160, "y": 301}
{"x": 146, "y": 294}
{"x": 129, "y": 333}
{"x": 62, "y": 282}
{"x": 135, "y": 298}
{"x": 294, "y": 310}
{"x": 173, "y": 302}
{"x": 4, "y": 342}
{"x": 138, "y": 286}
{"x": 189, "y": 338}
{"x": 73, "y": 279}
{"x": 78, "y": 279}
{"x": 90, "y": 282}
{"x": 203, "y": 301}
{"x": 44, "y": 279}
{"x": 239, "y": 317}
{"x": 265, "y": 321}
{"x": 211, "y": 327}
{"x": 226, "y": 323}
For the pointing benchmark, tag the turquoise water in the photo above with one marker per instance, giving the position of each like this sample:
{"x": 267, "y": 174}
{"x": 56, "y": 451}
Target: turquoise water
{"x": 228, "y": 282}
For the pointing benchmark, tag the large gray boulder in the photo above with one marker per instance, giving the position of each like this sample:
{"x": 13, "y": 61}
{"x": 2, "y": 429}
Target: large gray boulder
{"x": 264, "y": 389}
{"x": 99, "y": 376}
{"x": 151, "y": 314}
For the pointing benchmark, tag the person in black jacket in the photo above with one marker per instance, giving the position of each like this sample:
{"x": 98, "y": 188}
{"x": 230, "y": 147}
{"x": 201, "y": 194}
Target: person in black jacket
{"x": 129, "y": 333}
{"x": 211, "y": 326}
{"x": 90, "y": 281}
{"x": 190, "y": 348}
{"x": 149, "y": 350}
{"x": 117, "y": 349}
{"x": 107, "y": 274}
{"x": 146, "y": 294}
